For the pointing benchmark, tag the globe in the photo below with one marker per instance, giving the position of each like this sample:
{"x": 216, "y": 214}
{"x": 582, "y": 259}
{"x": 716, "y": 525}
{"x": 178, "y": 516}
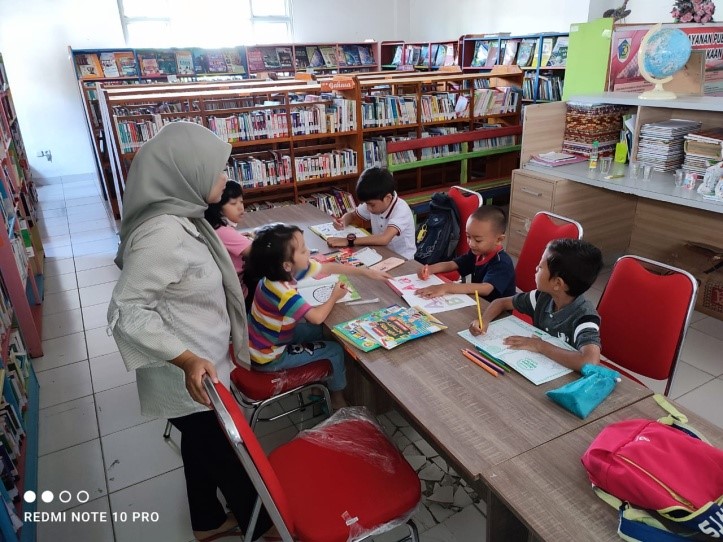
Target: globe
{"x": 663, "y": 52}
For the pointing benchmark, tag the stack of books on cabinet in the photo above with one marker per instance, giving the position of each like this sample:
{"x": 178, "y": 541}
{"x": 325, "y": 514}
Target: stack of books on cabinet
{"x": 541, "y": 56}
{"x": 21, "y": 250}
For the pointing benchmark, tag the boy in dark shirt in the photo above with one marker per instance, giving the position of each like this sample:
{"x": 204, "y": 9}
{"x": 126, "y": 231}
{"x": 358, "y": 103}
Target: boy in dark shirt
{"x": 566, "y": 271}
{"x": 492, "y": 270}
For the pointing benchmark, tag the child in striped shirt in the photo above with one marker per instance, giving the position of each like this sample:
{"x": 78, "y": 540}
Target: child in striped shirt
{"x": 278, "y": 338}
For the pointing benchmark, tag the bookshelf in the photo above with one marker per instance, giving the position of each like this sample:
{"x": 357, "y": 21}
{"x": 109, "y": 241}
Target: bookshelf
{"x": 291, "y": 58}
{"x": 21, "y": 250}
{"x": 289, "y": 140}
{"x": 542, "y": 57}
{"x": 441, "y": 129}
{"x": 391, "y": 54}
{"x": 420, "y": 56}
{"x": 126, "y": 67}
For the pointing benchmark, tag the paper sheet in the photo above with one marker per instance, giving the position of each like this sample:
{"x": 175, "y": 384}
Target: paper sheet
{"x": 407, "y": 285}
{"x": 328, "y": 230}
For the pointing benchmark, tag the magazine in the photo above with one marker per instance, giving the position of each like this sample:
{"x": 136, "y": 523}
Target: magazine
{"x": 535, "y": 367}
{"x": 352, "y": 333}
{"x": 328, "y": 230}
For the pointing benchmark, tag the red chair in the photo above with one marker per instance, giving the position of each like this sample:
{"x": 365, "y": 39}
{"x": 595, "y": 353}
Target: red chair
{"x": 343, "y": 480}
{"x": 467, "y": 201}
{"x": 544, "y": 228}
{"x": 256, "y": 390}
{"x": 644, "y": 313}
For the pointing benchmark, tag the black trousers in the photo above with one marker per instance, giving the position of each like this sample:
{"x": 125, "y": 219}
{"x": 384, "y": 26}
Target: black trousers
{"x": 210, "y": 463}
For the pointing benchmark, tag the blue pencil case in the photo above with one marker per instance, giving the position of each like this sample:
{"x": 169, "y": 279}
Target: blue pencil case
{"x": 583, "y": 395}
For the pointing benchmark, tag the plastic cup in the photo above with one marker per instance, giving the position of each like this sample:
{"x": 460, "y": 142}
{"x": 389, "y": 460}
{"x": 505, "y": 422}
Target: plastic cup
{"x": 606, "y": 163}
{"x": 678, "y": 178}
{"x": 634, "y": 169}
{"x": 647, "y": 172}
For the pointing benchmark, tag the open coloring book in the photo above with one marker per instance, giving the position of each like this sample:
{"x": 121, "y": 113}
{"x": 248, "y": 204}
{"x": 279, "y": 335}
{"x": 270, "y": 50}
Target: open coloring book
{"x": 407, "y": 285}
{"x": 328, "y": 230}
{"x": 535, "y": 367}
{"x": 317, "y": 291}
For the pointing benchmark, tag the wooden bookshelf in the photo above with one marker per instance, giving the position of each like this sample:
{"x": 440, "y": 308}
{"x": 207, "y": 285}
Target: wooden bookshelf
{"x": 541, "y": 57}
{"x": 307, "y": 135}
{"x": 430, "y": 55}
{"x": 21, "y": 249}
{"x": 443, "y": 129}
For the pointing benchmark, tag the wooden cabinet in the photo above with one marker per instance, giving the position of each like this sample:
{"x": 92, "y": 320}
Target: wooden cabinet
{"x": 591, "y": 206}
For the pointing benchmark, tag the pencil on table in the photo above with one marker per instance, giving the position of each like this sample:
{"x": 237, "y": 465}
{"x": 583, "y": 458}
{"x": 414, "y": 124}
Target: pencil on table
{"x": 479, "y": 364}
{"x": 479, "y": 310}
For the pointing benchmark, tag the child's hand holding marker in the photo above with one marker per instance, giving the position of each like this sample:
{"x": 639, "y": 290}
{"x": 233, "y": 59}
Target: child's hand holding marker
{"x": 339, "y": 223}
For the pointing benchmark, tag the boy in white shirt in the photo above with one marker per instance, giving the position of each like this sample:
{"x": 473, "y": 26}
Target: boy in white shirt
{"x": 391, "y": 218}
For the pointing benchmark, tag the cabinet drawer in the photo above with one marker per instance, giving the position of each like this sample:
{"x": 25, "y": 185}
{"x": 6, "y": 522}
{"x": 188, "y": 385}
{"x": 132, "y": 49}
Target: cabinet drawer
{"x": 517, "y": 233}
{"x": 530, "y": 195}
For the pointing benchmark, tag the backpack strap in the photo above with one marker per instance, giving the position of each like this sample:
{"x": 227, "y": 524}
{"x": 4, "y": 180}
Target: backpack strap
{"x": 676, "y": 418}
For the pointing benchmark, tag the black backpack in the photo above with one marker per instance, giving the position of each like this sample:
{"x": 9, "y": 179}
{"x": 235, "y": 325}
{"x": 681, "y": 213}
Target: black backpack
{"x": 438, "y": 236}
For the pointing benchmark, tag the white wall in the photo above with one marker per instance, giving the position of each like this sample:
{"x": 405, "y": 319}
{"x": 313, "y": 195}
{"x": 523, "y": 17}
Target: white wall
{"x": 35, "y": 34}
{"x": 34, "y": 39}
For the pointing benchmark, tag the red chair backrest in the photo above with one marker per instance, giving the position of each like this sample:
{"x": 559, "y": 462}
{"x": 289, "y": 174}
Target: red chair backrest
{"x": 643, "y": 317}
{"x": 542, "y": 231}
{"x": 466, "y": 205}
{"x": 257, "y": 456}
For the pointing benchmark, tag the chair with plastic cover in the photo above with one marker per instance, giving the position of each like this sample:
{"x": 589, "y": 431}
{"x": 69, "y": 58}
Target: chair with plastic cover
{"x": 342, "y": 480}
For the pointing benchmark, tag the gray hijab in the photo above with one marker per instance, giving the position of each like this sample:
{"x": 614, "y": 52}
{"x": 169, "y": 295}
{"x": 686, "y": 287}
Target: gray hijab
{"x": 172, "y": 174}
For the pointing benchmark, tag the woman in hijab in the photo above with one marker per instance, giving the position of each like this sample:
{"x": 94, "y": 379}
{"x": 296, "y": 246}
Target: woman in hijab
{"x": 177, "y": 301}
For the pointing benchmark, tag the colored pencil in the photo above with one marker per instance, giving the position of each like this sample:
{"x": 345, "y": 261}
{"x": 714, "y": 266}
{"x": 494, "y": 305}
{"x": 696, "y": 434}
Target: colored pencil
{"x": 487, "y": 362}
{"x": 479, "y": 311}
{"x": 493, "y": 359}
{"x": 479, "y": 363}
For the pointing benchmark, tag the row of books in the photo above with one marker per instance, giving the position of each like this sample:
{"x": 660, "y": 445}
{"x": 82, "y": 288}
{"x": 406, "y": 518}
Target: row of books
{"x": 550, "y": 88}
{"x": 312, "y": 56}
{"x": 523, "y": 52}
{"x": 256, "y": 172}
{"x": 14, "y": 375}
{"x": 703, "y": 148}
{"x": 260, "y": 124}
{"x": 424, "y": 55}
{"x": 326, "y": 164}
{"x": 21, "y": 257}
{"x": 336, "y": 202}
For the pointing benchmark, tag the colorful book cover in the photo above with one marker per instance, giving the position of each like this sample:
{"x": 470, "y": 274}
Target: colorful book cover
{"x": 397, "y": 58}
{"x": 200, "y": 61}
{"x": 271, "y": 60}
{"x": 328, "y": 52}
{"x": 352, "y": 332}
{"x": 525, "y": 52}
{"x": 301, "y": 57}
{"x": 318, "y": 290}
{"x": 216, "y": 62}
{"x": 184, "y": 63}
{"x": 510, "y": 52}
{"x": 546, "y": 51}
{"x": 126, "y": 61}
{"x": 256, "y": 60}
{"x": 559, "y": 53}
{"x": 351, "y": 54}
{"x": 366, "y": 56}
{"x": 492, "y": 55}
{"x": 401, "y": 327}
{"x": 149, "y": 64}
{"x": 167, "y": 62}
{"x": 89, "y": 66}
{"x": 234, "y": 64}
{"x": 286, "y": 59}
{"x": 481, "y": 52}
{"x": 107, "y": 62}
{"x": 316, "y": 59}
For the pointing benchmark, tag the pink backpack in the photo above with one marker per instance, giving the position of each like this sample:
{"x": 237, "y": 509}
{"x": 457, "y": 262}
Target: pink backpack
{"x": 665, "y": 479}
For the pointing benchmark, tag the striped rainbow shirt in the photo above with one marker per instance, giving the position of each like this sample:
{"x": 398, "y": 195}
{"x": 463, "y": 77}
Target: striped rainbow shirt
{"x": 276, "y": 309}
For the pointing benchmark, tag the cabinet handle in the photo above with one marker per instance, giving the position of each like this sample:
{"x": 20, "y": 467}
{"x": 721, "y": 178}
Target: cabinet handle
{"x": 530, "y": 192}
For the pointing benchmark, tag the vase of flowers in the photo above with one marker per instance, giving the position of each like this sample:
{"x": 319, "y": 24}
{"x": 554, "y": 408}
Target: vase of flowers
{"x": 693, "y": 11}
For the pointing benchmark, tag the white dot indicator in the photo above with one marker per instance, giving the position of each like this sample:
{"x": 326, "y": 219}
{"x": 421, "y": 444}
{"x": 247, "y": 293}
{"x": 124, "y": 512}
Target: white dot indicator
{"x": 47, "y": 496}
{"x": 83, "y": 496}
{"x": 30, "y": 496}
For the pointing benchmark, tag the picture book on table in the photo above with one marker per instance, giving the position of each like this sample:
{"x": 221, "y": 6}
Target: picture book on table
{"x": 318, "y": 290}
{"x": 387, "y": 327}
{"x": 184, "y": 63}
{"x": 108, "y": 63}
{"x": 535, "y": 367}
{"x": 407, "y": 286}
{"x": 328, "y": 230}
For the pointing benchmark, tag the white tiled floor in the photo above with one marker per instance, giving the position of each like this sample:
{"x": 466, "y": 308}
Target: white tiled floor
{"x": 92, "y": 436}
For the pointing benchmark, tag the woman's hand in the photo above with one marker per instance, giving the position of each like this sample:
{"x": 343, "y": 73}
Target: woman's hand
{"x": 194, "y": 369}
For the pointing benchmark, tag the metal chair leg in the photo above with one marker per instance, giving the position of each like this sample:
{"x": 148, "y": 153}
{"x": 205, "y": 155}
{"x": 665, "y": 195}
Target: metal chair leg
{"x": 167, "y": 432}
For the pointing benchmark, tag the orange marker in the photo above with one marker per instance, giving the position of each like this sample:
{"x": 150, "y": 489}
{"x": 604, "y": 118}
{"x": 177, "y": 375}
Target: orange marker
{"x": 425, "y": 272}
{"x": 479, "y": 364}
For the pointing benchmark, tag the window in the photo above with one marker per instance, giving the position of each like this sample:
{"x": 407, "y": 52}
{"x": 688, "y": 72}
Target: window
{"x": 189, "y": 23}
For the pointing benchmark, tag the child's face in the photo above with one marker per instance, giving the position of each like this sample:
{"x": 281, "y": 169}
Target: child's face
{"x": 378, "y": 206}
{"x": 301, "y": 255}
{"x": 482, "y": 237}
{"x": 543, "y": 281}
{"x": 233, "y": 209}
{"x": 214, "y": 196}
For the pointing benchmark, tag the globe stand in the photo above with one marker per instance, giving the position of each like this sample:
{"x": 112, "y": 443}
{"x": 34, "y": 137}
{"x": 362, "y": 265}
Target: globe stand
{"x": 658, "y": 93}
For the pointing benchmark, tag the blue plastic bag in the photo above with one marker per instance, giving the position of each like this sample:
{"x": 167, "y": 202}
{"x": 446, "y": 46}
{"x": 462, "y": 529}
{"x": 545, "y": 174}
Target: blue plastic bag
{"x": 584, "y": 394}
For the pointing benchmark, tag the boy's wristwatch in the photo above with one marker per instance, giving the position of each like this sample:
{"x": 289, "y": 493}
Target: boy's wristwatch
{"x": 350, "y": 239}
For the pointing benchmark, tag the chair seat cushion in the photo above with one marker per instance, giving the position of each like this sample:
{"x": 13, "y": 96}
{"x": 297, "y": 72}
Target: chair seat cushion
{"x": 343, "y": 480}
{"x": 524, "y": 317}
{"x": 258, "y": 385}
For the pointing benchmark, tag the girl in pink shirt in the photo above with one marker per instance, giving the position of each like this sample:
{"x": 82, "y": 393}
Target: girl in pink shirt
{"x": 224, "y": 217}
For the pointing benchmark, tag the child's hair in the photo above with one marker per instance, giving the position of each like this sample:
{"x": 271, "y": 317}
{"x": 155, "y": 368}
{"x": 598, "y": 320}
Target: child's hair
{"x": 375, "y": 183}
{"x": 494, "y": 215}
{"x": 576, "y": 262}
{"x": 271, "y": 248}
{"x": 214, "y": 213}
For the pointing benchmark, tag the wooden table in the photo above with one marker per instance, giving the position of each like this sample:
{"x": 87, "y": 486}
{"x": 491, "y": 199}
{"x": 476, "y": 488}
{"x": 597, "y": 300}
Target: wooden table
{"x": 549, "y": 490}
{"x": 476, "y": 421}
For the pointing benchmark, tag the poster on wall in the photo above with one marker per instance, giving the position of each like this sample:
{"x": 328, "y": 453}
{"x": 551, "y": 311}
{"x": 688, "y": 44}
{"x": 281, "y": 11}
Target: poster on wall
{"x": 624, "y": 74}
